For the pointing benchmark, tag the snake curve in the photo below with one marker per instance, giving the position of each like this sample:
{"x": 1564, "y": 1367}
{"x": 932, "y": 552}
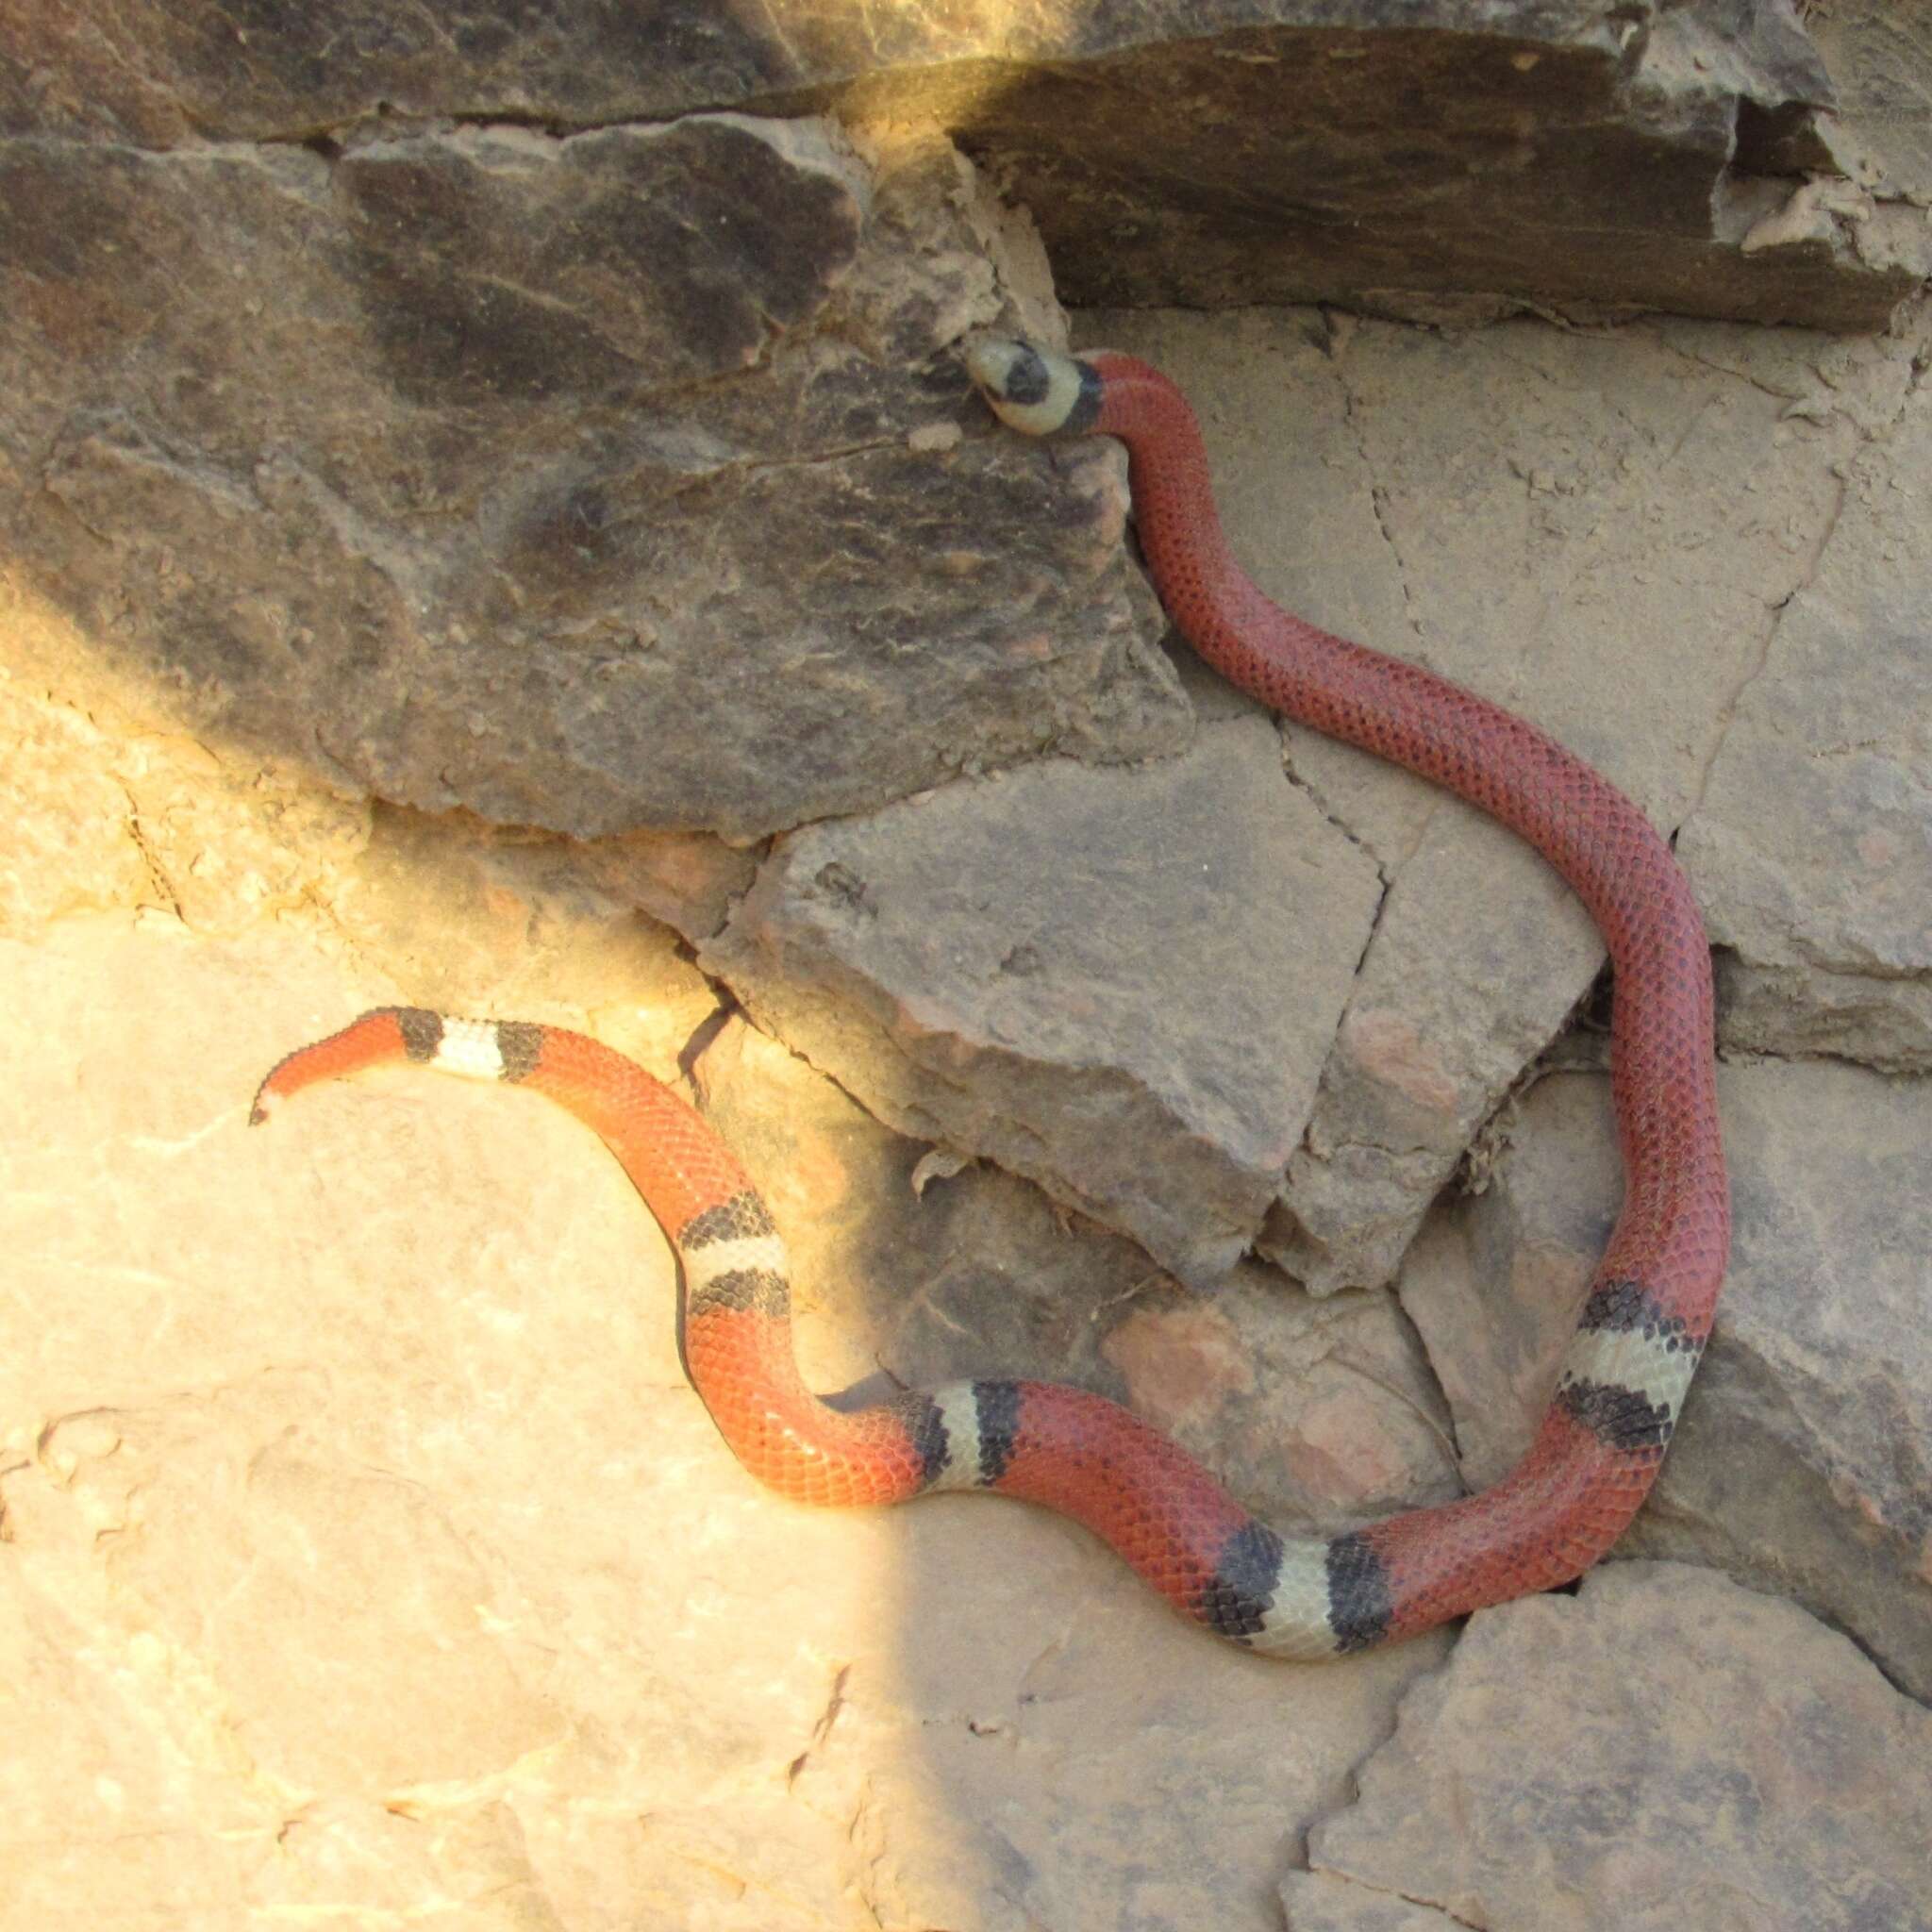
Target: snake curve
{"x": 1644, "y": 1320}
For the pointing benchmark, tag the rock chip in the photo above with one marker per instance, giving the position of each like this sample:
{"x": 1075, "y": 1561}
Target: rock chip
{"x": 1664, "y": 1749}
{"x": 1803, "y": 1461}
{"x": 1117, "y": 983}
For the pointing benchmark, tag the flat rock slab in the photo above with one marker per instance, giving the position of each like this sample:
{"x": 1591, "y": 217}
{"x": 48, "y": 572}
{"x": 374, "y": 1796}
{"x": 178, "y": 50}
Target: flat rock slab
{"x": 1812, "y": 849}
{"x": 1664, "y": 1749}
{"x": 615, "y": 481}
{"x": 1803, "y": 1463}
{"x": 1668, "y": 157}
{"x": 1119, "y": 984}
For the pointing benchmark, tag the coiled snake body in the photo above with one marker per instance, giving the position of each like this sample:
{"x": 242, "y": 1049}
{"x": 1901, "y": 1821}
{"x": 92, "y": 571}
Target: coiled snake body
{"x": 1645, "y": 1317}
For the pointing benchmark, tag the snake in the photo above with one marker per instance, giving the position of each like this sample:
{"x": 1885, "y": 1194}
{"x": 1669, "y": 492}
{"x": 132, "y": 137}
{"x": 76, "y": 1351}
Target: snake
{"x": 1644, "y": 1320}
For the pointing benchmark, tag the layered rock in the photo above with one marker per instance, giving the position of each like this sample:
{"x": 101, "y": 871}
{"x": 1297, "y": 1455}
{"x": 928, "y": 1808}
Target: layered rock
{"x": 1650, "y": 157}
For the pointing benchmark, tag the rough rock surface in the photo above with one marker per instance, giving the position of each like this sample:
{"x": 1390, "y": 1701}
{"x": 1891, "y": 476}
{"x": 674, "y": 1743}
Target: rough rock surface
{"x": 1058, "y": 968}
{"x": 1803, "y": 1464}
{"x": 1880, "y": 55}
{"x": 1465, "y": 502}
{"x": 1812, "y": 849}
{"x": 1316, "y": 1414}
{"x": 365, "y": 1559}
{"x": 1297, "y": 137}
{"x": 1662, "y": 1750}
{"x": 545, "y": 477}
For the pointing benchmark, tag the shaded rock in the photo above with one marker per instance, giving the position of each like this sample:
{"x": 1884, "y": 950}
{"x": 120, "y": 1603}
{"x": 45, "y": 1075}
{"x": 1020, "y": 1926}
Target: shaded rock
{"x": 1505, "y": 121}
{"x": 590, "y": 483}
{"x": 1664, "y": 1749}
{"x": 1812, "y": 848}
{"x": 1806, "y": 1010}
{"x": 1314, "y": 1413}
{"x": 686, "y": 879}
{"x": 1118, "y": 984}
{"x": 1801, "y": 1462}
{"x": 1470, "y": 507}
{"x": 1645, "y": 159}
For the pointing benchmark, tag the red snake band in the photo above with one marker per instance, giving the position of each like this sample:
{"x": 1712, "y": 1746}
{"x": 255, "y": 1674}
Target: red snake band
{"x": 1643, "y": 1322}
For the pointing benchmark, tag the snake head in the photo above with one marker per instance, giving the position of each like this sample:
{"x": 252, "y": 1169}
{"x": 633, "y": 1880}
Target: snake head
{"x": 1036, "y": 390}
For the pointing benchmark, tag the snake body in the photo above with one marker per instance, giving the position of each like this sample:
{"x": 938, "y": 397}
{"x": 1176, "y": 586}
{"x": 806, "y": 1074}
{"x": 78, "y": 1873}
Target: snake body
{"x": 1644, "y": 1320}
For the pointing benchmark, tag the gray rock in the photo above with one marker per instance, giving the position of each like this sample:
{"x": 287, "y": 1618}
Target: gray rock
{"x": 591, "y": 484}
{"x": 1651, "y": 155}
{"x": 1325, "y": 1901}
{"x": 1468, "y": 505}
{"x": 366, "y": 1549}
{"x": 1812, "y": 849}
{"x": 1476, "y": 963}
{"x": 1315, "y": 1414}
{"x": 1880, "y": 55}
{"x": 1119, "y": 984}
{"x": 1803, "y": 1464}
{"x": 1662, "y": 1750}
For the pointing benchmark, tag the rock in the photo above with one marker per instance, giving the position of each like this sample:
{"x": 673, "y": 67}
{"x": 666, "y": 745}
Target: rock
{"x": 1567, "y": 157}
{"x": 1320, "y": 1902}
{"x": 1879, "y": 56}
{"x": 1703, "y": 120}
{"x": 365, "y": 1543}
{"x": 1536, "y": 553}
{"x": 412, "y": 423}
{"x": 1664, "y": 1749}
{"x": 1801, "y": 1463}
{"x": 1475, "y": 965}
{"x": 683, "y": 880}
{"x": 71, "y": 845}
{"x": 471, "y": 918}
{"x": 594, "y": 484}
{"x": 1316, "y": 1414}
{"x": 1118, "y": 984}
{"x": 1813, "y": 844}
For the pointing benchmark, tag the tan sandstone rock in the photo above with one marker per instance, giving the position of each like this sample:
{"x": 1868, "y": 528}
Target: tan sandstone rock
{"x": 412, "y": 410}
